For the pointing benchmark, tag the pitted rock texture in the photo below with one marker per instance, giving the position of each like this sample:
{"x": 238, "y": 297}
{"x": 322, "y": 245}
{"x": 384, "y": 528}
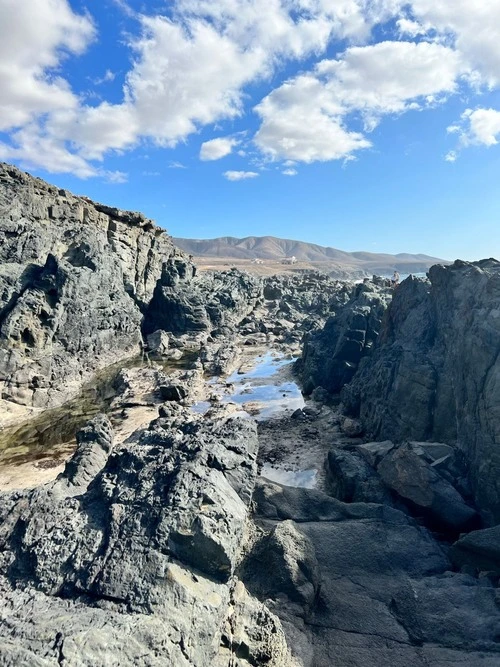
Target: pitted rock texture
{"x": 332, "y": 355}
{"x": 74, "y": 277}
{"x": 212, "y": 302}
{"x": 138, "y": 567}
{"x": 294, "y": 305}
{"x": 435, "y": 374}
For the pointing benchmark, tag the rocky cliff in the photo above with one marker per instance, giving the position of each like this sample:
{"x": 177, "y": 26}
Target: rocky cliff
{"x": 80, "y": 283}
{"x": 435, "y": 373}
{"x": 331, "y": 355}
{"x": 75, "y": 277}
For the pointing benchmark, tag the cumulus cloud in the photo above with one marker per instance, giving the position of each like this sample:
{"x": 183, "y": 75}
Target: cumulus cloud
{"x": 192, "y": 68}
{"x": 472, "y": 27}
{"x": 305, "y": 119}
{"x": 36, "y": 35}
{"x": 215, "y": 149}
{"x": 289, "y": 172}
{"x": 480, "y": 127}
{"x": 410, "y": 28}
{"x": 240, "y": 175}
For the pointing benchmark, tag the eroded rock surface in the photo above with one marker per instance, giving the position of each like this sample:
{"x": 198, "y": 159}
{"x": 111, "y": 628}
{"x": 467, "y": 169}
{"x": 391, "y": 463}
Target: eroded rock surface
{"x": 331, "y": 356}
{"x": 137, "y": 568}
{"x": 384, "y": 589}
{"x": 435, "y": 373}
{"x": 74, "y": 278}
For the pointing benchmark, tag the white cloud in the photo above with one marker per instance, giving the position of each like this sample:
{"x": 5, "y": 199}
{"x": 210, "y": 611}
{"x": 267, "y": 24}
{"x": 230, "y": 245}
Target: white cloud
{"x": 176, "y": 165}
{"x": 290, "y": 172}
{"x": 215, "y": 149}
{"x": 191, "y": 69}
{"x": 410, "y": 28}
{"x": 107, "y": 77}
{"x": 34, "y": 149}
{"x": 240, "y": 175}
{"x": 479, "y": 127}
{"x": 306, "y": 118}
{"x": 115, "y": 176}
{"x": 472, "y": 26}
{"x": 35, "y": 36}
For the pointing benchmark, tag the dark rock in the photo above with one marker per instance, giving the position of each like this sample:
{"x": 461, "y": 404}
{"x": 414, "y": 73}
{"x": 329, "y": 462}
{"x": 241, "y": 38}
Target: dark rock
{"x": 172, "y": 392}
{"x": 74, "y": 279}
{"x": 374, "y": 452}
{"x": 211, "y": 301}
{"x": 352, "y": 479}
{"x": 386, "y": 595}
{"x": 434, "y": 374}
{"x": 352, "y": 427}
{"x": 331, "y": 356}
{"x": 117, "y": 573}
{"x": 289, "y": 554}
{"x": 94, "y": 445}
{"x": 159, "y": 342}
{"x": 418, "y": 483}
{"x": 479, "y": 549}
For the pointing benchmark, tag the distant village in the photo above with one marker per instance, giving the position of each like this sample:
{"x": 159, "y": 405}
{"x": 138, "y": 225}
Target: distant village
{"x": 285, "y": 260}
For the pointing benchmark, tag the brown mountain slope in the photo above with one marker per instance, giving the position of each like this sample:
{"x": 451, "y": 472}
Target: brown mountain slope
{"x": 272, "y": 248}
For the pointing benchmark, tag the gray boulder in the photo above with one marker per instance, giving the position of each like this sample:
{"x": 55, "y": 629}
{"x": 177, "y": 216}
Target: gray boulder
{"x": 385, "y": 594}
{"x": 418, "y": 483}
{"x": 159, "y": 342}
{"x": 138, "y": 566}
{"x": 351, "y": 479}
{"x": 480, "y": 549}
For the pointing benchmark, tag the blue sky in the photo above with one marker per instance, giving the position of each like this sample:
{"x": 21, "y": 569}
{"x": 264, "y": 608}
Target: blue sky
{"x": 360, "y": 124}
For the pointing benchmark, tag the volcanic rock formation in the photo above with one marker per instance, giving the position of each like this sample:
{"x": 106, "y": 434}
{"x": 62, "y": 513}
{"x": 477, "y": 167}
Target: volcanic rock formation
{"x": 435, "y": 374}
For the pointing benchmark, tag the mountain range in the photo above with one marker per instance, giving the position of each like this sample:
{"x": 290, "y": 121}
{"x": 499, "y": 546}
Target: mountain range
{"x": 274, "y": 249}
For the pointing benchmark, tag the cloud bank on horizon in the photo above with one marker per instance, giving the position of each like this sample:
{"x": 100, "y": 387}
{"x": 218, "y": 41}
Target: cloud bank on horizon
{"x": 314, "y": 78}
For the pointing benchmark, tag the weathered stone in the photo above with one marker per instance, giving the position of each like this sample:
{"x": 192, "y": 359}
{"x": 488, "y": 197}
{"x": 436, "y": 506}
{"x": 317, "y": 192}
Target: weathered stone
{"x": 386, "y": 595}
{"x": 74, "y": 278}
{"x": 435, "y": 374}
{"x": 352, "y": 427}
{"x": 159, "y": 342}
{"x": 417, "y": 482}
{"x": 172, "y": 392}
{"x": 116, "y": 573}
{"x": 352, "y": 479}
{"x": 331, "y": 356}
{"x": 374, "y": 452}
{"x": 481, "y": 549}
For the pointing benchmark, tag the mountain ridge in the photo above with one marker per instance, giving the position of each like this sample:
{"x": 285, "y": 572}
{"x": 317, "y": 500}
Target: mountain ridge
{"x": 275, "y": 249}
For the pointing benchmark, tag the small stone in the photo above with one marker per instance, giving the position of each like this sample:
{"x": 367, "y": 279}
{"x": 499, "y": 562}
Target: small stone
{"x": 172, "y": 392}
{"x": 352, "y": 427}
{"x": 159, "y": 342}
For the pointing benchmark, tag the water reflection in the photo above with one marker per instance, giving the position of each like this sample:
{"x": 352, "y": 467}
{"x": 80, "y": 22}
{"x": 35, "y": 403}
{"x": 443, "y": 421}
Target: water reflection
{"x": 305, "y": 479}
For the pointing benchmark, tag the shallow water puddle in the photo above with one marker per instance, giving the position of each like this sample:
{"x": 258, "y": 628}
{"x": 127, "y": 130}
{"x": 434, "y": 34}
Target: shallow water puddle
{"x": 263, "y": 390}
{"x": 51, "y": 433}
{"x": 304, "y": 479}
{"x": 264, "y": 366}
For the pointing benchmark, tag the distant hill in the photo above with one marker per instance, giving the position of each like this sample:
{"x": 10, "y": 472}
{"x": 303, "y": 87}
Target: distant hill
{"x": 275, "y": 249}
